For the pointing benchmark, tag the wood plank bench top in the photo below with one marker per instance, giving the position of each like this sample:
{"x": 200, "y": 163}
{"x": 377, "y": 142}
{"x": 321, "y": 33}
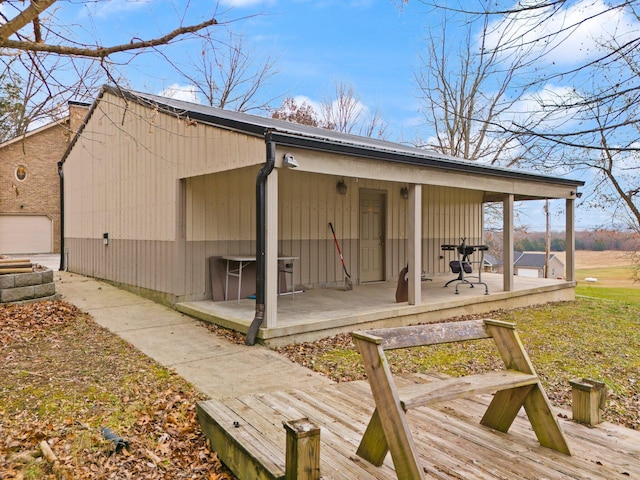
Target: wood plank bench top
{"x": 421, "y": 394}
{"x": 516, "y": 386}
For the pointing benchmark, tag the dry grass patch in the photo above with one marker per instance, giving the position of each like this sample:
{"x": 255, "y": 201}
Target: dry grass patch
{"x": 595, "y": 259}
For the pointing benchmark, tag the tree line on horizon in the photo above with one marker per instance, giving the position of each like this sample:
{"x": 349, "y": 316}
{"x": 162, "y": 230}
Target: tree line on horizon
{"x": 598, "y": 241}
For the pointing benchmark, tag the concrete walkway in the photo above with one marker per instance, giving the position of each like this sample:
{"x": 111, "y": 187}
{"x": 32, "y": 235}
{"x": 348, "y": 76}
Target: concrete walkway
{"x": 215, "y": 366}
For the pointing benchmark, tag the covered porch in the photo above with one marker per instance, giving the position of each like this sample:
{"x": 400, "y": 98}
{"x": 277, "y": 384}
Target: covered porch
{"x": 221, "y": 184}
{"x": 443, "y": 203}
{"x": 321, "y": 312}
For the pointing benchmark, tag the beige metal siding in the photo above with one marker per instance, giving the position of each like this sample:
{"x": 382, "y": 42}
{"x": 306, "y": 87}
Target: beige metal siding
{"x": 123, "y": 174}
{"x": 128, "y": 159}
{"x": 211, "y": 150}
{"x": 221, "y": 208}
{"x": 221, "y": 215}
{"x": 119, "y": 180}
{"x": 449, "y": 214}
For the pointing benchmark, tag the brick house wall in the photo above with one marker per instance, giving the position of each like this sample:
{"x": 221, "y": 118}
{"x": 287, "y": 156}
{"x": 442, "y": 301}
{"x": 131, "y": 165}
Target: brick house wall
{"x": 39, "y": 151}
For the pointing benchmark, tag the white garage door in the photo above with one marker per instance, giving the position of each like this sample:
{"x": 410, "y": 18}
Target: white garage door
{"x": 25, "y": 234}
{"x": 528, "y": 272}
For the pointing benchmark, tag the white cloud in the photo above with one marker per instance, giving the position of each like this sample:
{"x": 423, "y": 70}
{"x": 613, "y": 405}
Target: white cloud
{"x": 568, "y": 36}
{"x": 187, "y": 93}
{"x": 541, "y": 105}
{"x": 300, "y": 99}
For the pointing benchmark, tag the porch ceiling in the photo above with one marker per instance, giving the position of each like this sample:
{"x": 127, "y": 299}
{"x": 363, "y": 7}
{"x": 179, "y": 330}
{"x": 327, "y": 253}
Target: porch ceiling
{"x": 494, "y": 182}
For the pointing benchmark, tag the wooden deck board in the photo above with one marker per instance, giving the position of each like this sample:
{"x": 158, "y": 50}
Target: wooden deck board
{"x": 337, "y": 442}
{"x": 490, "y": 450}
{"x": 450, "y": 440}
{"x": 457, "y": 418}
{"x": 245, "y": 450}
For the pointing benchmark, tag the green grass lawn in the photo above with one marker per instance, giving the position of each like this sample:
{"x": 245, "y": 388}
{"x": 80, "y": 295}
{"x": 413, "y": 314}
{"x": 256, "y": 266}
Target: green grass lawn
{"x": 614, "y": 283}
{"x": 631, "y": 295}
{"x": 607, "y": 275}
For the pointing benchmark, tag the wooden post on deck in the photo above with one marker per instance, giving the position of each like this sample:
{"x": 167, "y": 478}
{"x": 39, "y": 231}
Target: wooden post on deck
{"x": 587, "y": 399}
{"x": 303, "y": 450}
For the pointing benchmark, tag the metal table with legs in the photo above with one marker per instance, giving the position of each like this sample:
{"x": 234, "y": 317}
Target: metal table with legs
{"x": 237, "y": 263}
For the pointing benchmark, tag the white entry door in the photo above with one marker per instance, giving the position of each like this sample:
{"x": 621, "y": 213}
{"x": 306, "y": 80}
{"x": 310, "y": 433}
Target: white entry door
{"x": 372, "y": 235}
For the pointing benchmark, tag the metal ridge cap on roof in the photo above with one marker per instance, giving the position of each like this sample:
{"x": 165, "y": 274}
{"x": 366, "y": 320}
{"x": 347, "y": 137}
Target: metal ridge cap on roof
{"x": 210, "y": 114}
{"x": 207, "y": 114}
{"x": 366, "y": 143}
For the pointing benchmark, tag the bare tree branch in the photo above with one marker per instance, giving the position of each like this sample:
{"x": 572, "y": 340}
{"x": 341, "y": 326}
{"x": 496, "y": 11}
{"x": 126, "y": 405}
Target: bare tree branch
{"x": 230, "y": 74}
{"x": 517, "y": 8}
{"x": 103, "y": 52}
{"x": 26, "y": 16}
{"x": 469, "y": 95}
{"x": 593, "y": 124}
{"x": 52, "y": 68}
{"x": 343, "y": 112}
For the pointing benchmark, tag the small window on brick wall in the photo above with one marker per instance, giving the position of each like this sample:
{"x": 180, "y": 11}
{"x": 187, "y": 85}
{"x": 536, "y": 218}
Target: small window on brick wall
{"x": 21, "y": 173}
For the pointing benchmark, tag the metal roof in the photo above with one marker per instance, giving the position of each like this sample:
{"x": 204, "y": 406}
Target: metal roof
{"x": 533, "y": 259}
{"x": 304, "y": 136}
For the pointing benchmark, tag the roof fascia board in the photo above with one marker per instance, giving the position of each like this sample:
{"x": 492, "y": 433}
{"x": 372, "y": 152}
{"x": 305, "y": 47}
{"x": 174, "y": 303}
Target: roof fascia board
{"x": 414, "y": 160}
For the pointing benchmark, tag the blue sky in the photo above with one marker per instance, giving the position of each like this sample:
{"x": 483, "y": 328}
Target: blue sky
{"x": 372, "y": 45}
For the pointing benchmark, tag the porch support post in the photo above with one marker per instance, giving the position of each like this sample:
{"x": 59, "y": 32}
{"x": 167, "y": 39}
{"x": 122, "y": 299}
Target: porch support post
{"x": 570, "y": 240}
{"x": 507, "y": 243}
{"x": 415, "y": 244}
{"x": 180, "y": 243}
{"x": 271, "y": 251}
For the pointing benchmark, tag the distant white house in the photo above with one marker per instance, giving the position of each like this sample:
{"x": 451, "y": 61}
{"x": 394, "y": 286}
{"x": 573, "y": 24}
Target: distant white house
{"x": 532, "y": 264}
{"x": 526, "y": 264}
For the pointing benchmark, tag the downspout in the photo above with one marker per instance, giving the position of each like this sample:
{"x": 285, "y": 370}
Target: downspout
{"x": 61, "y": 174}
{"x": 261, "y": 181}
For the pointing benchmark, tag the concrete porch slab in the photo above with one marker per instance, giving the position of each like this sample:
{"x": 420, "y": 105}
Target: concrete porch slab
{"x": 320, "y": 313}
